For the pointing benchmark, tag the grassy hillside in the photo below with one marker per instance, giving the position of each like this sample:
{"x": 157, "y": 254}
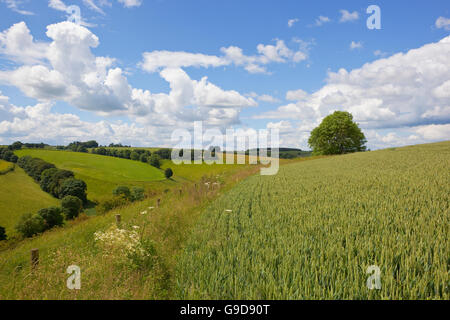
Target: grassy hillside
{"x": 311, "y": 231}
{"x": 101, "y": 174}
{"x": 19, "y": 194}
{"x": 104, "y": 276}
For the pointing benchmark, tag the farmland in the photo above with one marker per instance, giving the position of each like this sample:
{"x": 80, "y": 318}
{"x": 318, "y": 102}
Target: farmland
{"x": 311, "y": 231}
{"x": 19, "y": 194}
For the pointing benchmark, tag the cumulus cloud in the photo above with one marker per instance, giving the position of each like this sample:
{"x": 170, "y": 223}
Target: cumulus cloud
{"x": 321, "y": 20}
{"x": 346, "y": 16}
{"x": 291, "y": 22}
{"x": 65, "y": 69}
{"x": 278, "y": 53}
{"x": 406, "y": 90}
{"x": 443, "y": 22}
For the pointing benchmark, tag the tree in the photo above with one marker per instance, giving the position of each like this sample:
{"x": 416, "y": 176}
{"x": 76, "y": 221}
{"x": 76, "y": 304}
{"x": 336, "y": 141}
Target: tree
{"x": 168, "y": 173}
{"x": 143, "y": 158}
{"x": 71, "y": 207}
{"x": 134, "y": 155}
{"x": 122, "y": 191}
{"x": 17, "y": 145}
{"x": 74, "y": 187}
{"x": 29, "y": 225}
{"x": 2, "y": 233}
{"x": 154, "y": 160}
{"x": 337, "y": 134}
{"x": 52, "y": 217}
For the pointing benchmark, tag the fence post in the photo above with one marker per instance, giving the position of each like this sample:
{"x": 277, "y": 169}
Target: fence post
{"x": 118, "y": 220}
{"x": 34, "y": 258}
{"x": 158, "y": 203}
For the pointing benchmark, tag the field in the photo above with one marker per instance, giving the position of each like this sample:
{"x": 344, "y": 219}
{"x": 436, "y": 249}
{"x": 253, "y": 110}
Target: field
{"x": 312, "y": 231}
{"x": 5, "y": 166}
{"x": 19, "y": 194}
{"x": 101, "y": 174}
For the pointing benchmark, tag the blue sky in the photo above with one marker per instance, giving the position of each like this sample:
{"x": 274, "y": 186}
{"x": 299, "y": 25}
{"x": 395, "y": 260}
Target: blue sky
{"x": 286, "y": 76}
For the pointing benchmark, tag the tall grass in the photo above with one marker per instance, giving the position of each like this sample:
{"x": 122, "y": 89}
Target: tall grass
{"x": 311, "y": 231}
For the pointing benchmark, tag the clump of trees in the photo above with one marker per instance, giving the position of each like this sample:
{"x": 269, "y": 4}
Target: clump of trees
{"x": 337, "y": 134}
{"x": 71, "y": 207}
{"x": 7, "y": 155}
{"x": 78, "y": 146}
{"x": 122, "y": 195}
{"x": 45, "y": 219}
{"x": 59, "y": 183}
{"x": 145, "y": 156}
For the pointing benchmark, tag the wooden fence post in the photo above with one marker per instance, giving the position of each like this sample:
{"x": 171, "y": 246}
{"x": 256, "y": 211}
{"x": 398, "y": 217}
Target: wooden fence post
{"x": 34, "y": 258}
{"x": 118, "y": 220}
{"x": 158, "y": 203}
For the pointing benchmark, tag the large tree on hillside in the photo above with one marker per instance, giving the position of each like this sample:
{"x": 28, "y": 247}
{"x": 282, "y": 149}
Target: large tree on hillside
{"x": 337, "y": 134}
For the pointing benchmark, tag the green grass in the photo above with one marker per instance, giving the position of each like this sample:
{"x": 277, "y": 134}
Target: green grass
{"x": 101, "y": 173}
{"x": 311, "y": 231}
{"x": 5, "y": 165}
{"x": 167, "y": 226}
{"x": 19, "y": 194}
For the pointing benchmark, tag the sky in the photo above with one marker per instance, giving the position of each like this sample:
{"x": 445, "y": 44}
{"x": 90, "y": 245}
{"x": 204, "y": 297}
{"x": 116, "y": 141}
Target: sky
{"x": 133, "y": 71}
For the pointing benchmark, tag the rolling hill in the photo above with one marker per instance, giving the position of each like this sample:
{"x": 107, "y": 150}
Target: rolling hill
{"x": 101, "y": 173}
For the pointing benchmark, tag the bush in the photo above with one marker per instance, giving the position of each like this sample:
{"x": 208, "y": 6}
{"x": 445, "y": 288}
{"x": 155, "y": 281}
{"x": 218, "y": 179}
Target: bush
{"x": 71, "y": 207}
{"x": 134, "y": 156}
{"x": 137, "y": 194}
{"x": 30, "y": 225}
{"x": 154, "y": 160}
{"x": 52, "y": 217}
{"x": 143, "y": 158}
{"x": 122, "y": 191}
{"x": 74, "y": 187}
{"x": 2, "y": 233}
{"x": 168, "y": 173}
{"x": 110, "y": 204}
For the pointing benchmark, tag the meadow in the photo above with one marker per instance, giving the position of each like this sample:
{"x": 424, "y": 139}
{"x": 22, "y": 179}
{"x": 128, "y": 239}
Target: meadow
{"x": 101, "y": 174}
{"x": 19, "y": 194}
{"x": 312, "y": 230}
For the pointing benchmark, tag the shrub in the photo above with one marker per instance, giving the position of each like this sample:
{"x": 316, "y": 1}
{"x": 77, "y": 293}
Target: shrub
{"x": 74, "y": 187}
{"x": 52, "y": 217}
{"x": 137, "y": 194}
{"x": 143, "y": 158}
{"x": 168, "y": 173}
{"x": 154, "y": 160}
{"x": 122, "y": 191}
{"x": 110, "y": 204}
{"x": 30, "y": 225}
{"x": 71, "y": 207}
{"x": 2, "y": 233}
{"x": 134, "y": 156}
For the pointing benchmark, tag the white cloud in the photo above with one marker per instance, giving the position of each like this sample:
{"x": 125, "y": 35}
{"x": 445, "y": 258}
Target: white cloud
{"x": 131, "y": 3}
{"x": 291, "y": 22}
{"x": 443, "y": 22}
{"x": 15, "y": 5}
{"x": 66, "y": 70}
{"x": 407, "y": 91}
{"x": 263, "y": 97}
{"x": 296, "y": 95}
{"x": 278, "y": 53}
{"x": 355, "y": 45}
{"x": 321, "y": 20}
{"x": 346, "y": 16}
